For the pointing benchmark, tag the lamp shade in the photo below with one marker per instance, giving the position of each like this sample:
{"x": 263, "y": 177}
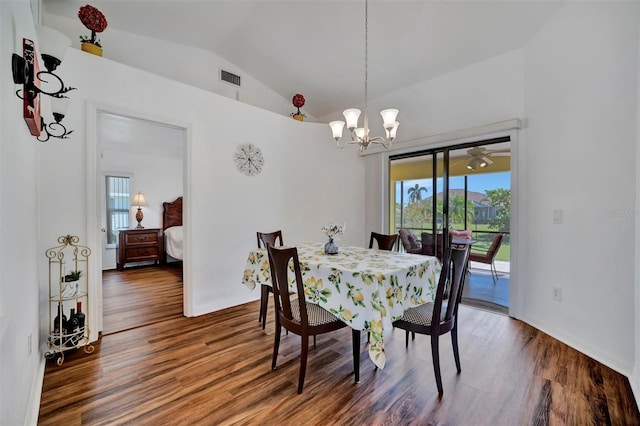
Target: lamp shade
{"x": 391, "y": 134}
{"x": 60, "y": 105}
{"x": 351, "y": 116}
{"x": 336, "y": 129}
{"x": 389, "y": 117}
{"x": 52, "y": 42}
{"x": 138, "y": 200}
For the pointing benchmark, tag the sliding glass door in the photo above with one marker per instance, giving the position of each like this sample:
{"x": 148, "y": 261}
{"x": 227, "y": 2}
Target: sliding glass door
{"x": 461, "y": 187}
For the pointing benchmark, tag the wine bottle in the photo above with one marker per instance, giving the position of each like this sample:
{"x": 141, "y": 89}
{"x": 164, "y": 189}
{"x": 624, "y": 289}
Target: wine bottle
{"x": 81, "y": 319}
{"x": 59, "y": 325}
{"x": 72, "y": 329}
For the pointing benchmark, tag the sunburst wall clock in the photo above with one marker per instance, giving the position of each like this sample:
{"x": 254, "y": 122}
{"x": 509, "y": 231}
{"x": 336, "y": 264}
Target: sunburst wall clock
{"x": 249, "y": 159}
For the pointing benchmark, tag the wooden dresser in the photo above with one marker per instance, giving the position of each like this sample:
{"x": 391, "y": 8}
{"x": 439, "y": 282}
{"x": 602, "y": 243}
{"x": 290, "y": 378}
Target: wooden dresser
{"x": 139, "y": 245}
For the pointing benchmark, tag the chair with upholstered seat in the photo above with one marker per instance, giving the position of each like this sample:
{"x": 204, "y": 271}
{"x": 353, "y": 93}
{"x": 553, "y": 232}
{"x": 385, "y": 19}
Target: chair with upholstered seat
{"x": 297, "y": 315}
{"x": 409, "y": 241}
{"x": 264, "y": 239}
{"x": 384, "y": 241}
{"x": 432, "y": 245}
{"x": 490, "y": 256}
{"x": 440, "y": 316}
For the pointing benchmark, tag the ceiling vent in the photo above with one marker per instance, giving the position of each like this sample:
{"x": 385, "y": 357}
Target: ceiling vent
{"x": 230, "y": 77}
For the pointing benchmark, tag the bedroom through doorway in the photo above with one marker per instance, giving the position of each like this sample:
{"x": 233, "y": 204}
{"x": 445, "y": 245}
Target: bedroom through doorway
{"x": 138, "y": 156}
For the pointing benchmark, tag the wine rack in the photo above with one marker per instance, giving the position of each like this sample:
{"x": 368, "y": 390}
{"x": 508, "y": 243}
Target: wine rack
{"x": 68, "y": 292}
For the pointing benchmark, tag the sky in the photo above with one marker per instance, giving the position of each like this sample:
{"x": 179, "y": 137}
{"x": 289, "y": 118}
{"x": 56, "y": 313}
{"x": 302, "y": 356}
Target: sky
{"x": 478, "y": 183}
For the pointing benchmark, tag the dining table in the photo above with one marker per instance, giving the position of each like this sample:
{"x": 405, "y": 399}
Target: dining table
{"x": 366, "y": 288}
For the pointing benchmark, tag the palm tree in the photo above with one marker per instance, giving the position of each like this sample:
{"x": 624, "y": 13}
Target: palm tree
{"x": 415, "y": 193}
{"x": 456, "y": 209}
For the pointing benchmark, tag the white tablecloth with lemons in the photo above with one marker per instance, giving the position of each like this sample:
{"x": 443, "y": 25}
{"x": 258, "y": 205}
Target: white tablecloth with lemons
{"x": 366, "y": 288}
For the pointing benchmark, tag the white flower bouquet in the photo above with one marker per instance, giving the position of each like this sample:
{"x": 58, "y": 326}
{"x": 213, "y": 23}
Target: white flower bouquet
{"x": 332, "y": 230}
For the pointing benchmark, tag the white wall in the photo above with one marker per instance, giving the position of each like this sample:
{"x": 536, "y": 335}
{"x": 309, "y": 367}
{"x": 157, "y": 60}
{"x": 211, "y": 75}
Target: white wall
{"x": 20, "y": 372}
{"x": 580, "y": 104}
{"x": 193, "y": 66}
{"x": 575, "y": 87}
{"x": 486, "y": 92}
{"x": 306, "y": 181}
{"x": 635, "y": 375}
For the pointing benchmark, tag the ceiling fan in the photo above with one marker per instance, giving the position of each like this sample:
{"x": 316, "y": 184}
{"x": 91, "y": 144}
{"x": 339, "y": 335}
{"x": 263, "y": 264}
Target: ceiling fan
{"x": 480, "y": 157}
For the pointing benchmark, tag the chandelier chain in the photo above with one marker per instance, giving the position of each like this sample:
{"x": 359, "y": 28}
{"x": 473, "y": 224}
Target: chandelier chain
{"x": 360, "y": 135}
{"x": 366, "y": 69}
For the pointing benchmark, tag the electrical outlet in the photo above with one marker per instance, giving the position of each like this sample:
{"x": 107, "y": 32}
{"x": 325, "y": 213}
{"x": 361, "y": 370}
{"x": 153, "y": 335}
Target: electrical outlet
{"x": 557, "y": 294}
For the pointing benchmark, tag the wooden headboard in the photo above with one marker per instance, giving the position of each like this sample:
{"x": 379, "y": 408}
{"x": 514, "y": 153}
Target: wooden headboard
{"x": 172, "y": 213}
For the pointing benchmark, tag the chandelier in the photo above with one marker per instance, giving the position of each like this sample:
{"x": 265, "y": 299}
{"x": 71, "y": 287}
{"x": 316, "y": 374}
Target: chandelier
{"x": 359, "y": 135}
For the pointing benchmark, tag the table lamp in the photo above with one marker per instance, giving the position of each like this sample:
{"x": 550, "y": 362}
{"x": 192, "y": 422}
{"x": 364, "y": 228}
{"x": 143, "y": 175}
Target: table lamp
{"x": 138, "y": 200}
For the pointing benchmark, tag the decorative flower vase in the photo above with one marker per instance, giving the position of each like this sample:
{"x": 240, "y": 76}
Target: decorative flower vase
{"x": 70, "y": 288}
{"x": 91, "y": 48}
{"x": 298, "y": 117}
{"x": 331, "y": 247}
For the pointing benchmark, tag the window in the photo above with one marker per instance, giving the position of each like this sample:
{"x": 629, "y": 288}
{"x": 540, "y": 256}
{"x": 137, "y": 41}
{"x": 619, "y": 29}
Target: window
{"x": 118, "y": 205}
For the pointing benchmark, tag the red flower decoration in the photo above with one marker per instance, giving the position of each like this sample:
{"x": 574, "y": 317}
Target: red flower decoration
{"x": 298, "y": 100}
{"x": 92, "y": 18}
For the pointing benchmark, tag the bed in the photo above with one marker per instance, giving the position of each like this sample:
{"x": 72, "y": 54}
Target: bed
{"x": 172, "y": 229}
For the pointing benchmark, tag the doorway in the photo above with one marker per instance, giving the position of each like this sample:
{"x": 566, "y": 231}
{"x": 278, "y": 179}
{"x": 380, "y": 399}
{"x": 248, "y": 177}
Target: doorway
{"x": 460, "y": 187}
{"x": 149, "y": 157}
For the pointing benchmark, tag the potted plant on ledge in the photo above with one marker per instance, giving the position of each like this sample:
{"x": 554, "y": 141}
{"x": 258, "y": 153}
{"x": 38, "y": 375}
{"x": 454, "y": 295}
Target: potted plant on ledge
{"x": 95, "y": 21}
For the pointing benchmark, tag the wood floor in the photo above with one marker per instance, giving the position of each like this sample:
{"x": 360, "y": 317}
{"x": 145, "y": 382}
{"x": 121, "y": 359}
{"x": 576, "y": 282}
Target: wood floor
{"x": 139, "y": 296}
{"x": 216, "y": 369}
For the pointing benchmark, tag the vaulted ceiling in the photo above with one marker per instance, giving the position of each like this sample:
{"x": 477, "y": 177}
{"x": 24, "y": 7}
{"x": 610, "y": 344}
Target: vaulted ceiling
{"x": 316, "y": 47}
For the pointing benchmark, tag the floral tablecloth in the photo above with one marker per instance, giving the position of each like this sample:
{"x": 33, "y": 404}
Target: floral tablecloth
{"x": 368, "y": 289}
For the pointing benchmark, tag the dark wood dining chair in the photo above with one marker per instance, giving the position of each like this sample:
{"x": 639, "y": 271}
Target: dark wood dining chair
{"x": 384, "y": 241}
{"x": 264, "y": 239}
{"x": 440, "y": 316}
{"x": 489, "y": 257}
{"x": 409, "y": 241}
{"x": 297, "y": 315}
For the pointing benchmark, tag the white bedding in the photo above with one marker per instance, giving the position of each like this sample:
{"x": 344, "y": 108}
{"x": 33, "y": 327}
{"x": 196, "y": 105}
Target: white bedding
{"x": 173, "y": 239}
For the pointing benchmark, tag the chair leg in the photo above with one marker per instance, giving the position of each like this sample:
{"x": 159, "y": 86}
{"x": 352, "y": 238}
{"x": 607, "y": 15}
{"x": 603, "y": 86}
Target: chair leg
{"x": 494, "y": 273}
{"x": 355, "y": 336}
{"x": 454, "y": 343}
{"x": 276, "y": 346}
{"x": 435, "y": 355}
{"x": 314, "y": 340}
{"x": 406, "y": 338}
{"x": 264, "y": 302}
{"x": 303, "y": 361}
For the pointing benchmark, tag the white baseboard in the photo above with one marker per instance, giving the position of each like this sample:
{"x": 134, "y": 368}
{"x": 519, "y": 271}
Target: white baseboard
{"x": 33, "y": 407}
{"x": 591, "y": 352}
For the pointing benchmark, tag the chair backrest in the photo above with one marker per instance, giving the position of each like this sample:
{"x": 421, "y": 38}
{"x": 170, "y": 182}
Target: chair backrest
{"x": 385, "y": 242}
{"x": 266, "y": 238}
{"x": 432, "y": 245}
{"x": 409, "y": 241}
{"x": 495, "y": 246}
{"x": 450, "y": 284}
{"x": 279, "y": 259}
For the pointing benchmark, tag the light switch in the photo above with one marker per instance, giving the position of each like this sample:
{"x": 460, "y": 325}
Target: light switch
{"x": 557, "y": 216}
